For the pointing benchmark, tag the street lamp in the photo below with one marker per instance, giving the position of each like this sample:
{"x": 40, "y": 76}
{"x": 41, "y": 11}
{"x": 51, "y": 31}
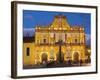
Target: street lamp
{"x": 60, "y": 60}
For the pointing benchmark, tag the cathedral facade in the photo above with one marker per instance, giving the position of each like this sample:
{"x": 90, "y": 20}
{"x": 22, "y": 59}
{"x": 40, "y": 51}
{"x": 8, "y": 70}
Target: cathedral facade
{"x": 58, "y": 42}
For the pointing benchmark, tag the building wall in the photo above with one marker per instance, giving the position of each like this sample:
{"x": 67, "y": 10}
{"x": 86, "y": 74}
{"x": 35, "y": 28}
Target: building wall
{"x": 28, "y": 60}
{"x": 52, "y": 37}
{"x": 36, "y": 52}
{"x": 46, "y": 38}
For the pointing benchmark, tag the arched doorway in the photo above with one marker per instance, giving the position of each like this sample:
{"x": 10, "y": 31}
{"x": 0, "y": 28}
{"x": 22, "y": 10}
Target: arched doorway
{"x": 44, "y": 58}
{"x": 76, "y": 57}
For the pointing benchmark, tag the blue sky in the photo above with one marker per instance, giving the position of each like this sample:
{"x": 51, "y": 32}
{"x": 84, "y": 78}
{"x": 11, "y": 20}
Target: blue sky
{"x": 32, "y": 18}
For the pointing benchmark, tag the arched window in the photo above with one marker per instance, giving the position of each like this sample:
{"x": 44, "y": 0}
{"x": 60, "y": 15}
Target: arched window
{"x": 37, "y": 41}
{"x": 44, "y": 40}
{"x": 28, "y": 51}
{"x": 76, "y": 57}
{"x": 75, "y": 40}
{"x": 44, "y": 58}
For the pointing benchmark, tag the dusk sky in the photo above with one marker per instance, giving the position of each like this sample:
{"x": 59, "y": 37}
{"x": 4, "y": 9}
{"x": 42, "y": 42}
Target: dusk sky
{"x": 32, "y": 18}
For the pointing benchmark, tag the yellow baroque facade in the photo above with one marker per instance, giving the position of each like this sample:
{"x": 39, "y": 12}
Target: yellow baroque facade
{"x": 55, "y": 42}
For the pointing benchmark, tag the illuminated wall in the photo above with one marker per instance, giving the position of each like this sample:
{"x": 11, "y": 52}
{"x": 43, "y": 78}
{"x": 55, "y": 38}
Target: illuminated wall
{"x": 47, "y": 42}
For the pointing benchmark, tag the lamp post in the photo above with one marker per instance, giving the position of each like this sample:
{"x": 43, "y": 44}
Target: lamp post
{"x": 60, "y": 60}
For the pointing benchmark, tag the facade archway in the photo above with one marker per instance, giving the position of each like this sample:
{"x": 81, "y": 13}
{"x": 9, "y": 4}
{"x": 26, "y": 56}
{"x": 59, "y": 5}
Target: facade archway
{"x": 44, "y": 58}
{"x": 76, "y": 57}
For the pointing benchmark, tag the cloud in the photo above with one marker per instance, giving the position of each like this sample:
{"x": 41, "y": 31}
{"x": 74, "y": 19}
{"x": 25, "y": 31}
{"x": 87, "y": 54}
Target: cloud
{"x": 28, "y": 29}
{"x": 88, "y": 39}
{"x": 28, "y": 32}
{"x": 29, "y": 16}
